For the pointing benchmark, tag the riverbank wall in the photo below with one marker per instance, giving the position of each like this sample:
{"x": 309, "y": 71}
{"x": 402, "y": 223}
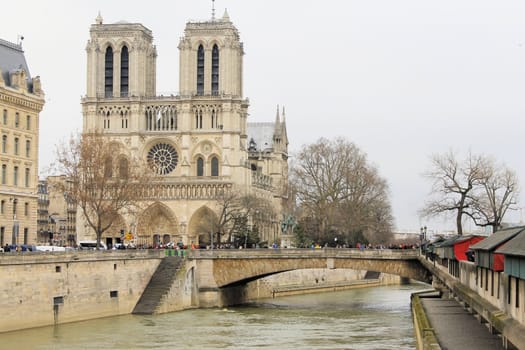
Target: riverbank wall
{"x": 52, "y": 288}
{"x": 486, "y": 308}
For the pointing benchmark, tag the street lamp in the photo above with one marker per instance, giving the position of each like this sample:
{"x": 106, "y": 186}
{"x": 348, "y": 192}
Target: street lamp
{"x": 422, "y": 237}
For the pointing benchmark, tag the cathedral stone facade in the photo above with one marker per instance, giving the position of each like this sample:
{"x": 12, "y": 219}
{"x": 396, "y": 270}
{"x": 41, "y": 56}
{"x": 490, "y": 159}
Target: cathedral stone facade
{"x": 198, "y": 141}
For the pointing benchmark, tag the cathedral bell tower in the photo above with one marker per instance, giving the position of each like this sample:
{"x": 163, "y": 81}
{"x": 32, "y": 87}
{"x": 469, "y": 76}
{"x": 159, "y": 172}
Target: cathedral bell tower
{"x": 211, "y": 59}
{"x": 121, "y": 60}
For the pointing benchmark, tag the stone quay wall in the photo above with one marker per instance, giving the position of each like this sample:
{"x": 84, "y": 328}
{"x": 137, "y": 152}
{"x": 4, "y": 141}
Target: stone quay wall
{"x": 41, "y": 289}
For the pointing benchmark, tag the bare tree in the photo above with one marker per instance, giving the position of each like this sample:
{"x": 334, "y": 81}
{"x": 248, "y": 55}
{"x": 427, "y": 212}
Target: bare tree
{"x": 338, "y": 190}
{"x": 498, "y": 192}
{"x": 101, "y": 185}
{"x": 453, "y": 184}
{"x": 235, "y": 213}
{"x": 476, "y": 187}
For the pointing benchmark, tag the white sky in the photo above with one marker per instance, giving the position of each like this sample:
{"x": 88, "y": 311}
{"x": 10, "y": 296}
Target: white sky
{"x": 402, "y": 79}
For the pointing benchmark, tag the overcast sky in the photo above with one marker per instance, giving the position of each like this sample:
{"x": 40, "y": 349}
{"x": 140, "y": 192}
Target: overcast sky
{"x": 401, "y": 79}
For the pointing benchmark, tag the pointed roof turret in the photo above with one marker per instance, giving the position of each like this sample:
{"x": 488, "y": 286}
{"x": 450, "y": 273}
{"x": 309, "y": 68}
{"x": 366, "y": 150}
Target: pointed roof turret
{"x": 277, "y": 117}
{"x": 99, "y": 19}
{"x": 225, "y": 16}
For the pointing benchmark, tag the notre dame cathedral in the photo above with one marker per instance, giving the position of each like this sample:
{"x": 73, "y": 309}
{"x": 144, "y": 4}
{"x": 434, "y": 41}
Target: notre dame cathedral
{"x": 199, "y": 140}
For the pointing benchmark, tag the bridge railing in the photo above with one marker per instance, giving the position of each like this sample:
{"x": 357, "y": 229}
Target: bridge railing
{"x": 270, "y": 253}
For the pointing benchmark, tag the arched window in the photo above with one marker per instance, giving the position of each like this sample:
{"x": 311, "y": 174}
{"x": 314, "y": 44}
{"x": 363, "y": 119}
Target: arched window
{"x": 108, "y": 171}
{"x": 4, "y": 143}
{"x": 16, "y": 145}
{"x": 28, "y": 148}
{"x": 200, "y": 70}
{"x": 108, "y": 73}
{"x": 200, "y": 167}
{"x": 215, "y": 70}
{"x": 124, "y": 71}
{"x": 123, "y": 170}
{"x": 214, "y": 166}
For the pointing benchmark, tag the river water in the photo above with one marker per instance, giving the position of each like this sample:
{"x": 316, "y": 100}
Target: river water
{"x": 367, "y": 318}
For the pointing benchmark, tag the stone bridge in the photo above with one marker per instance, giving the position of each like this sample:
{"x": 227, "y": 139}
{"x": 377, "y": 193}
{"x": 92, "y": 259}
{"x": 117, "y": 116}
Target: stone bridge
{"x": 221, "y": 274}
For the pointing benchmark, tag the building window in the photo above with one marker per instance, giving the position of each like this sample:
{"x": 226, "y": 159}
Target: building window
{"x": 4, "y": 143}
{"x": 16, "y": 145}
{"x": 26, "y": 235}
{"x": 215, "y": 70}
{"x": 124, "y": 71}
{"x": 26, "y": 209}
{"x": 517, "y": 304}
{"x": 5, "y": 117}
{"x": 123, "y": 168}
{"x": 2, "y": 235}
{"x": 17, "y": 119}
{"x": 28, "y": 148}
{"x": 214, "y": 166}
{"x": 27, "y": 177}
{"x": 108, "y": 73}
{"x": 4, "y": 174}
{"x": 200, "y": 70}
{"x": 2, "y": 207}
{"x": 15, "y": 176}
{"x": 198, "y": 119}
{"x": 162, "y": 158}
{"x": 200, "y": 167}
{"x": 28, "y": 122}
{"x": 108, "y": 167}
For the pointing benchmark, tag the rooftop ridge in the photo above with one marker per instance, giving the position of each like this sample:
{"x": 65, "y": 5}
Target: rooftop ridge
{"x": 11, "y": 45}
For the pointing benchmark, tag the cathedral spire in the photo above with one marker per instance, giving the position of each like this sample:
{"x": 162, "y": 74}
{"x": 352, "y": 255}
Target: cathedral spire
{"x": 213, "y": 10}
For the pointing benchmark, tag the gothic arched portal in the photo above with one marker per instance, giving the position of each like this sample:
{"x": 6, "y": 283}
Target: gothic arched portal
{"x": 157, "y": 225}
{"x": 203, "y": 222}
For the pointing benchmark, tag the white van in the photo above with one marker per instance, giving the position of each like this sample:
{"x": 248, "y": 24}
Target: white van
{"x": 91, "y": 245}
{"x": 49, "y": 248}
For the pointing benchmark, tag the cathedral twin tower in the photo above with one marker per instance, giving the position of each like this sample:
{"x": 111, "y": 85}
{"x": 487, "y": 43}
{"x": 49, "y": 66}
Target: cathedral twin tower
{"x": 198, "y": 141}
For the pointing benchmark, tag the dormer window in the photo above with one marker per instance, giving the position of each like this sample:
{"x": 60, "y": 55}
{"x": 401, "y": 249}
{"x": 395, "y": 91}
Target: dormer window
{"x": 253, "y": 146}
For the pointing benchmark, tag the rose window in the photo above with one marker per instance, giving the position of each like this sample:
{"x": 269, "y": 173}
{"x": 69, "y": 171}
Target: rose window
{"x": 163, "y": 158}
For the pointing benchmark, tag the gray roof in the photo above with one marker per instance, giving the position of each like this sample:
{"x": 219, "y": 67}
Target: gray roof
{"x": 497, "y": 238}
{"x": 516, "y": 246}
{"x": 12, "y": 58}
{"x": 262, "y": 134}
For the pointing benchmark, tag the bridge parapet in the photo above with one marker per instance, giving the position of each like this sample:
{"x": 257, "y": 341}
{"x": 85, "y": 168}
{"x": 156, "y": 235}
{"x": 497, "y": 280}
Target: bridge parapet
{"x": 344, "y": 253}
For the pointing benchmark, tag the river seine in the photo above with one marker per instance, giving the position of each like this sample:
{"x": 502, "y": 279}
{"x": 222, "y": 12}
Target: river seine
{"x": 368, "y": 318}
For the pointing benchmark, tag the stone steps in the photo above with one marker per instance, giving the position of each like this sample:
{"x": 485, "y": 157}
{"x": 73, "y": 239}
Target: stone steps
{"x": 158, "y": 286}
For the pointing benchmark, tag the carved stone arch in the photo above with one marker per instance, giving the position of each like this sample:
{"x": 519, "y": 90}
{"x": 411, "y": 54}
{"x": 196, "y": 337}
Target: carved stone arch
{"x": 157, "y": 225}
{"x": 114, "y": 230}
{"x": 107, "y": 43}
{"x": 202, "y": 223}
{"x": 121, "y": 43}
{"x": 199, "y": 42}
{"x": 216, "y": 41}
